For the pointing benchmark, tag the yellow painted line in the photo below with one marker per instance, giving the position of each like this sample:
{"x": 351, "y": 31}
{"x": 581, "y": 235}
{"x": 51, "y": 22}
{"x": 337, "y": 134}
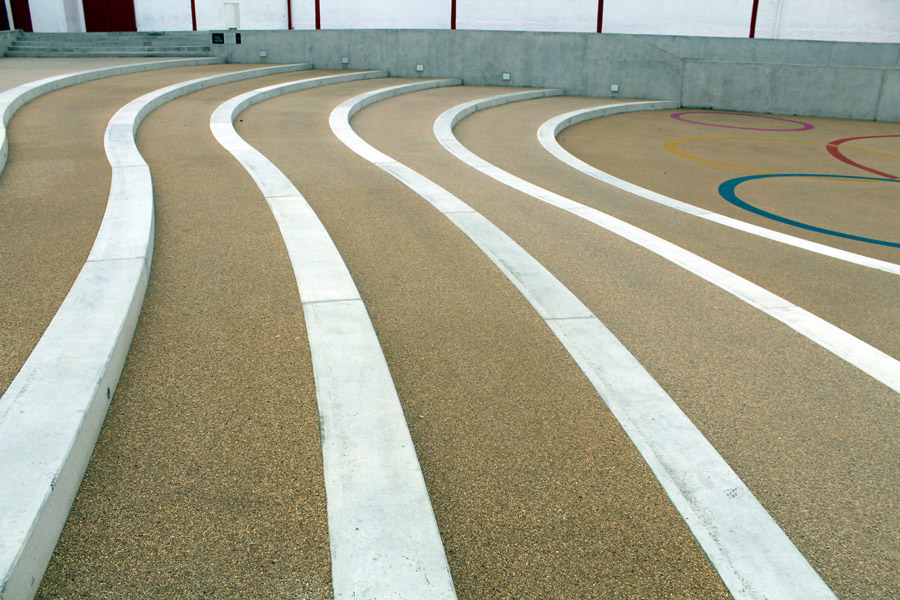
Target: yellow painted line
{"x": 672, "y": 146}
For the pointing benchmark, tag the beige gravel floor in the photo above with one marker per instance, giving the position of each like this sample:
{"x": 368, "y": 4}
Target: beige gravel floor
{"x": 53, "y": 194}
{"x": 861, "y": 301}
{"x": 16, "y": 71}
{"x": 207, "y": 478}
{"x": 537, "y": 494}
{"x": 810, "y": 435}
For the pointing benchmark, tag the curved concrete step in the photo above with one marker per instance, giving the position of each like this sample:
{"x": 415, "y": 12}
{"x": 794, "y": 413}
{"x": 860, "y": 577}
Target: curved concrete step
{"x": 13, "y": 99}
{"x": 51, "y": 414}
{"x": 752, "y": 554}
{"x": 384, "y": 538}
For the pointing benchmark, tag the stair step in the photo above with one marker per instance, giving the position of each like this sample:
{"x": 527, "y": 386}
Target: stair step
{"x": 95, "y": 54}
{"x": 122, "y": 48}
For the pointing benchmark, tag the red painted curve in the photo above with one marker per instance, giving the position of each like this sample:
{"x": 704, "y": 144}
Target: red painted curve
{"x": 835, "y": 151}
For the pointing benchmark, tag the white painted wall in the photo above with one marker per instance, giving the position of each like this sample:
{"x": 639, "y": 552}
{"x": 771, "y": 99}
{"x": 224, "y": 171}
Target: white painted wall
{"x": 163, "y": 15}
{"x": 304, "y": 14}
{"x": 717, "y": 18}
{"x": 836, "y": 20}
{"x": 528, "y": 15}
{"x": 841, "y": 20}
{"x": 48, "y": 15}
{"x": 383, "y": 14}
{"x": 74, "y": 10}
{"x": 254, "y": 14}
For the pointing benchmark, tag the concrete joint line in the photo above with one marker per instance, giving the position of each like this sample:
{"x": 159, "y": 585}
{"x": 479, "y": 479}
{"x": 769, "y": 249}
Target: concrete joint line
{"x": 383, "y": 534}
{"x": 358, "y": 299}
{"x": 751, "y": 553}
{"x": 13, "y": 99}
{"x": 51, "y": 414}
{"x": 547, "y": 136}
{"x": 858, "y": 353}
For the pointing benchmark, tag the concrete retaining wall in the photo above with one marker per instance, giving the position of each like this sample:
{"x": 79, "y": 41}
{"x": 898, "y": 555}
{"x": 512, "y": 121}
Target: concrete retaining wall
{"x": 7, "y": 38}
{"x": 823, "y": 79}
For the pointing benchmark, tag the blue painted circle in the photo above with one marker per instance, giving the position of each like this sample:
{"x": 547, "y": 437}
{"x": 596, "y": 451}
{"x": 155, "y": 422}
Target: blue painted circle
{"x": 727, "y": 191}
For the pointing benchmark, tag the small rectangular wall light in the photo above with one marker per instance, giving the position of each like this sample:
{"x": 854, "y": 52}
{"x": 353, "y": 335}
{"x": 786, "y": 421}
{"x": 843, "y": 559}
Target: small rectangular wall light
{"x": 262, "y": 53}
{"x": 420, "y": 68}
{"x": 345, "y": 60}
{"x": 506, "y": 77}
{"x": 614, "y": 87}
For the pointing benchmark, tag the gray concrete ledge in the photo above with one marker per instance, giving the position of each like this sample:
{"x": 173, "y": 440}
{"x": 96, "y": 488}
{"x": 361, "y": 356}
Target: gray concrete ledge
{"x": 384, "y": 538}
{"x": 12, "y": 100}
{"x": 51, "y": 414}
{"x": 822, "y": 79}
{"x": 866, "y": 358}
{"x": 747, "y": 548}
{"x": 548, "y": 132}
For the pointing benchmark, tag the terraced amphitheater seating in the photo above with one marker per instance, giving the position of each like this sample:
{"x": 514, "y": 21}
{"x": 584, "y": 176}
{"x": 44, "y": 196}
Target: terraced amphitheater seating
{"x": 409, "y": 338}
{"x": 126, "y": 44}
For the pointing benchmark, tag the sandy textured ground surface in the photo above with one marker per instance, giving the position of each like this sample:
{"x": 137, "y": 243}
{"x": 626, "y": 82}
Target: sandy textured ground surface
{"x": 206, "y": 480}
{"x": 810, "y": 434}
{"x": 16, "y": 71}
{"x": 537, "y": 493}
{"x": 207, "y": 477}
{"x": 53, "y": 194}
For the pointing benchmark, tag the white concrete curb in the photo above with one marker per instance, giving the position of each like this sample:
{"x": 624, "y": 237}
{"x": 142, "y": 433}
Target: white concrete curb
{"x": 383, "y": 534}
{"x": 855, "y": 351}
{"x": 547, "y": 136}
{"x": 751, "y": 553}
{"x": 52, "y": 412}
{"x": 12, "y": 99}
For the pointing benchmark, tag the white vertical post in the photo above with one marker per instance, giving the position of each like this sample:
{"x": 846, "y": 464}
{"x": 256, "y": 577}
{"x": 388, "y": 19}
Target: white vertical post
{"x": 12, "y": 24}
{"x": 232, "y": 15}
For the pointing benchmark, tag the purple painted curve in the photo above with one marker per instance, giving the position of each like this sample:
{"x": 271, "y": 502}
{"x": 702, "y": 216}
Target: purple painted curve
{"x": 679, "y": 116}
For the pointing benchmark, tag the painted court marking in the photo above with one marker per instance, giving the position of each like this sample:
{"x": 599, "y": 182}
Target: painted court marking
{"x": 728, "y": 190}
{"x": 547, "y": 136}
{"x": 751, "y": 553}
{"x": 855, "y": 351}
{"x": 680, "y": 117}
{"x": 673, "y": 147}
{"x": 51, "y": 414}
{"x": 835, "y": 150}
{"x": 383, "y": 535}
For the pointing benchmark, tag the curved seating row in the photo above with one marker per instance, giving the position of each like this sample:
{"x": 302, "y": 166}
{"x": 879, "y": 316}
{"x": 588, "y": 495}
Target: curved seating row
{"x": 13, "y": 99}
{"x": 379, "y": 512}
{"x": 84, "y": 349}
{"x": 860, "y": 354}
{"x": 551, "y": 129}
{"x": 751, "y": 553}
{"x": 53, "y": 410}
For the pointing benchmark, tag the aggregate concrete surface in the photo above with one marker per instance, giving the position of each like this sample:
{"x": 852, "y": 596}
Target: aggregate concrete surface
{"x": 53, "y": 194}
{"x": 18, "y": 70}
{"x": 206, "y": 480}
{"x": 808, "y": 433}
{"x": 207, "y": 477}
{"x": 536, "y": 494}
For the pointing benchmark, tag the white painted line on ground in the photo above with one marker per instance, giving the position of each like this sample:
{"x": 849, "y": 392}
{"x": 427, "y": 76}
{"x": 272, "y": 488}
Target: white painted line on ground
{"x": 855, "y": 351}
{"x": 547, "y": 136}
{"x": 751, "y": 553}
{"x": 12, "y": 99}
{"x": 383, "y": 534}
{"x": 51, "y": 414}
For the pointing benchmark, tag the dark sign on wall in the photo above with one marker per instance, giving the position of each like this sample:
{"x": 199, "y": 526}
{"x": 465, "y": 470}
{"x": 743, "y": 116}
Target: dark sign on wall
{"x": 226, "y": 38}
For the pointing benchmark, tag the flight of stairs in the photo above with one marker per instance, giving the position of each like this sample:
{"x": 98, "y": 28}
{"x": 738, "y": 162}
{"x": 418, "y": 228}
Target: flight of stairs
{"x": 128, "y": 44}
